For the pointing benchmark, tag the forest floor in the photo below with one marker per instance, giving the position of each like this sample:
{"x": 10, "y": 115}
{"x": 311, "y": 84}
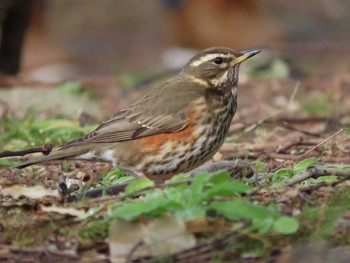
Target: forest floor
{"x": 287, "y": 201}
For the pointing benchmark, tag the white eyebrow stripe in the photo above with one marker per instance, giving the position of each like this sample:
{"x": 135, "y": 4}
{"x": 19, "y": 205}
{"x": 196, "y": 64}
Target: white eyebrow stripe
{"x": 206, "y": 58}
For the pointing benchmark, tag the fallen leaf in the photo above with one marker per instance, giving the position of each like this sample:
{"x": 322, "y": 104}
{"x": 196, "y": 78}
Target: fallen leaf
{"x": 64, "y": 210}
{"x": 125, "y": 236}
{"x": 161, "y": 236}
{"x": 167, "y": 235}
{"x": 33, "y": 192}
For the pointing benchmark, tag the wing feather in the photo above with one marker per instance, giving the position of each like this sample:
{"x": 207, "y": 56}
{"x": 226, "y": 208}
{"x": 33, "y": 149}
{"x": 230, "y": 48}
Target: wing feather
{"x": 163, "y": 110}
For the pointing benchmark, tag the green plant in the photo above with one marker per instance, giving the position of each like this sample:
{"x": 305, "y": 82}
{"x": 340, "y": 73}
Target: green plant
{"x": 204, "y": 194}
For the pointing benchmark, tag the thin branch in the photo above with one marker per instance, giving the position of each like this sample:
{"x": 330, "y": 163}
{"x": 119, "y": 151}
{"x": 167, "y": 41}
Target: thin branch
{"x": 113, "y": 189}
{"x": 233, "y": 167}
{"x": 43, "y": 252}
{"x": 44, "y": 149}
{"x": 192, "y": 253}
{"x": 321, "y": 143}
{"x": 286, "y": 147}
{"x": 129, "y": 257}
{"x": 288, "y": 126}
{"x": 305, "y": 154}
{"x": 315, "y": 172}
{"x": 119, "y": 188}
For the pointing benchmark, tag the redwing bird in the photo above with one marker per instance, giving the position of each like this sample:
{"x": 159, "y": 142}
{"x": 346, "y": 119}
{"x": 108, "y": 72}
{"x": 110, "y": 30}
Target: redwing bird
{"x": 176, "y": 127}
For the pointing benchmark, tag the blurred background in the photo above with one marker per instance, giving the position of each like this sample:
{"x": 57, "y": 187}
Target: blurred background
{"x": 118, "y": 47}
{"x": 64, "y": 39}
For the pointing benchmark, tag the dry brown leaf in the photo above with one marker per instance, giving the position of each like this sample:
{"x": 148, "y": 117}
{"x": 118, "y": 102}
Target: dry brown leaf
{"x": 124, "y": 236}
{"x": 64, "y": 210}
{"x": 33, "y": 192}
{"x": 167, "y": 235}
{"x": 160, "y": 237}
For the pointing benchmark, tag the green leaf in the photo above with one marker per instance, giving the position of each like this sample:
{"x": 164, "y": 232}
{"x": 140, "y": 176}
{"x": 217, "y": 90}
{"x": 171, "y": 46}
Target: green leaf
{"x": 259, "y": 165}
{"x": 151, "y": 207}
{"x": 286, "y": 225}
{"x": 173, "y": 193}
{"x": 219, "y": 177}
{"x": 229, "y": 188}
{"x": 285, "y": 172}
{"x": 190, "y": 212}
{"x": 199, "y": 181}
{"x": 116, "y": 176}
{"x": 130, "y": 211}
{"x": 282, "y": 174}
{"x": 111, "y": 175}
{"x": 179, "y": 177}
{"x": 306, "y": 163}
{"x": 240, "y": 209}
{"x": 197, "y": 188}
{"x": 138, "y": 184}
{"x": 339, "y": 166}
{"x": 262, "y": 218}
{"x": 122, "y": 179}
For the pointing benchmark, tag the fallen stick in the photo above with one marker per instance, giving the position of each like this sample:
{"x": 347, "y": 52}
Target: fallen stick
{"x": 44, "y": 149}
{"x": 315, "y": 172}
{"x": 308, "y": 152}
{"x": 233, "y": 167}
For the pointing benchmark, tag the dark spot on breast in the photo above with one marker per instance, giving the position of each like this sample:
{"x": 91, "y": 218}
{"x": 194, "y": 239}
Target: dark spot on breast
{"x": 167, "y": 155}
{"x": 182, "y": 155}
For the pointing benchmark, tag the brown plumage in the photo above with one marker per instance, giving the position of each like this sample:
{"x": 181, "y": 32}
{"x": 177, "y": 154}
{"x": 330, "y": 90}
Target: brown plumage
{"x": 176, "y": 127}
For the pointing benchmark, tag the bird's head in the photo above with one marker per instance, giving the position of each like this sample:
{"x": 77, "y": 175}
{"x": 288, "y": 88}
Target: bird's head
{"x": 217, "y": 66}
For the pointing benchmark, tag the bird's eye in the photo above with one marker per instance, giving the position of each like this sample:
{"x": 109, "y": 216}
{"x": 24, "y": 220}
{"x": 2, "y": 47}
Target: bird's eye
{"x": 218, "y": 60}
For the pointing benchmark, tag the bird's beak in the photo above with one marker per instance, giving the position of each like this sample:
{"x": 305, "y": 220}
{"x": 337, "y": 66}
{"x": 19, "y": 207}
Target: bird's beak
{"x": 245, "y": 54}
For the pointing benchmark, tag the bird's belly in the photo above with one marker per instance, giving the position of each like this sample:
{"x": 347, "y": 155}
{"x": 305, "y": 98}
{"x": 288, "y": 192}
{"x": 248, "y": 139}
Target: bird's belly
{"x": 166, "y": 155}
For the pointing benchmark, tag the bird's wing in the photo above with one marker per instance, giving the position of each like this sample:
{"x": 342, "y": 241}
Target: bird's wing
{"x": 163, "y": 110}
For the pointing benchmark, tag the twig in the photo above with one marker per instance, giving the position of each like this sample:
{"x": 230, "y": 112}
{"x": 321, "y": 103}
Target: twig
{"x": 281, "y": 156}
{"x": 43, "y": 252}
{"x": 286, "y": 125}
{"x": 283, "y": 149}
{"x": 129, "y": 257}
{"x": 318, "y": 145}
{"x": 233, "y": 168}
{"x": 117, "y": 187}
{"x": 113, "y": 189}
{"x": 314, "y": 187}
{"x": 308, "y": 151}
{"x": 45, "y": 149}
{"x": 339, "y": 181}
{"x": 190, "y": 254}
{"x": 291, "y": 158}
{"x": 315, "y": 172}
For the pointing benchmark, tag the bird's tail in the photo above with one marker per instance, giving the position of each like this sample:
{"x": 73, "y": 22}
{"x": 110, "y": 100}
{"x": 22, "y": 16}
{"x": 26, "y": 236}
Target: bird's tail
{"x": 59, "y": 154}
